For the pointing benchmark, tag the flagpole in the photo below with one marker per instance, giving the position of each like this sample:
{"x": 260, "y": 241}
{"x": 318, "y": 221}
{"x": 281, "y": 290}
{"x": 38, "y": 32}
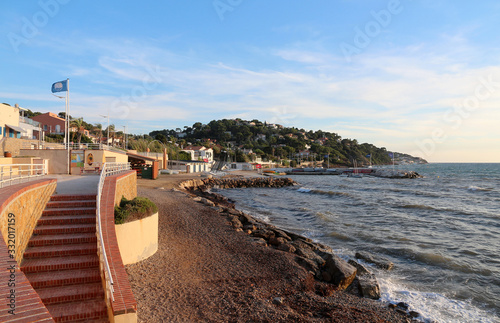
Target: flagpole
{"x": 67, "y": 123}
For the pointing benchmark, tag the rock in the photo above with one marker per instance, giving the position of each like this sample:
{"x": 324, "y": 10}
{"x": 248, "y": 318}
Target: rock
{"x": 160, "y": 188}
{"x": 309, "y": 254}
{"x": 308, "y": 264}
{"x": 294, "y": 237}
{"x": 236, "y": 223}
{"x": 245, "y": 218}
{"x": 207, "y": 202}
{"x": 260, "y": 241}
{"x": 414, "y": 314}
{"x": 369, "y": 287}
{"x": 282, "y": 234}
{"x": 402, "y": 305}
{"x": 276, "y": 241}
{"x": 265, "y": 234}
{"x": 286, "y": 247}
{"x": 391, "y": 305}
{"x": 341, "y": 273}
{"x": 233, "y": 211}
{"x": 197, "y": 199}
{"x": 376, "y": 260}
{"x": 361, "y": 269}
{"x": 249, "y": 227}
{"x": 239, "y": 230}
{"x": 278, "y": 300}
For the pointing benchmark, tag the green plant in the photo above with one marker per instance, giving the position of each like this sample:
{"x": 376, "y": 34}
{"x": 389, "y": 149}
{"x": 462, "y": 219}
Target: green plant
{"x": 136, "y": 209}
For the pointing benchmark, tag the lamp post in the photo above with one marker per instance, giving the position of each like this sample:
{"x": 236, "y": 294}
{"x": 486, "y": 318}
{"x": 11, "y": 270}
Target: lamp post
{"x": 107, "y": 138}
{"x": 125, "y": 137}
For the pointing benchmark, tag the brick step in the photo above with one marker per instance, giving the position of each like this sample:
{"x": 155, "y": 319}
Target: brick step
{"x": 62, "y": 294}
{"x": 64, "y": 277}
{"x": 68, "y": 204}
{"x": 84, "y": 311}
{"x": 67, "y": 219}
{"x": 61, "y": 250}
{"x": 64, "y": 229}
{"x": 59, "y": 263}
{"x": 69, "y": 197}
{"x": 69, "y": 211}
{"x": 59, "y": 239}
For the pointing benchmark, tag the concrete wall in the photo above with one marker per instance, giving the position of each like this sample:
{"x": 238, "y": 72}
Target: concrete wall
{"x": 58, "y": 158}
{"x": 126, "y": 185}
{"x": 138, "y": 240}
{"x": 14, "y": 145}
{"x": 21, "y": 206}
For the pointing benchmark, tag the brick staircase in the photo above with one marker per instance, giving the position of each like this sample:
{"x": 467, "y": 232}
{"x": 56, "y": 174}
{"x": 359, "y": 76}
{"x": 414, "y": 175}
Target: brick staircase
{"x": 61, "y": 260}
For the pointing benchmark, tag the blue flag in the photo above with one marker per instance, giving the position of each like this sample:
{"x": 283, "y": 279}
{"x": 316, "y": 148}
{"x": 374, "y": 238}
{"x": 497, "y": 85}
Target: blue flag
{"x": 391, "y": 155}
{"x": 60, "y": 86}
{"x": 326, "y": 156}
{"x": 368, "y": 156}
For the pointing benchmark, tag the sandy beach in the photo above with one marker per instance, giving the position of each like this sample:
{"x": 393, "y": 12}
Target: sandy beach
{"x": 205, "y": 271}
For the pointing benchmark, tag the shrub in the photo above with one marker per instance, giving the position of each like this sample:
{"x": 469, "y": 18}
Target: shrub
{"x": 136, "y": 209}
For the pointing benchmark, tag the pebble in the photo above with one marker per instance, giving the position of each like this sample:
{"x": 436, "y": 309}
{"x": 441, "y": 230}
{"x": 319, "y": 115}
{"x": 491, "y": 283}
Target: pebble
{"x": 278, "y": 300}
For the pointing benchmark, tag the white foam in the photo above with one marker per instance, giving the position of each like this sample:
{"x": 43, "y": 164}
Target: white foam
{"x": 477, "y": 188}
{"x": 433, "y": 307}
{"x": 304, "y": 190}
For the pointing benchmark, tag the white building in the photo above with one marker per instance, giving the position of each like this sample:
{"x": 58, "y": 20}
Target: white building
{"x": 200, "y": 153}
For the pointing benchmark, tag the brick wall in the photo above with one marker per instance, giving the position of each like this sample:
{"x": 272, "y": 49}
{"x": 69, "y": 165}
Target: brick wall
{"x": 26, "y": 202}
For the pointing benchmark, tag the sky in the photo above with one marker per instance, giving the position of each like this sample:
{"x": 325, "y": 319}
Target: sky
{"x": 418, "y": 77}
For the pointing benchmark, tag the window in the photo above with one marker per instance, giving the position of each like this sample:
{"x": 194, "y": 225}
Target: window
{"x": 233, "y": 166}
{"x": 44, "y": 127}
{"x": 58, "y": 128}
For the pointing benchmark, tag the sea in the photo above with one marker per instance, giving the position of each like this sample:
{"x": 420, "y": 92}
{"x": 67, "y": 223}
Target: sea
{"x": 442, "y": 231}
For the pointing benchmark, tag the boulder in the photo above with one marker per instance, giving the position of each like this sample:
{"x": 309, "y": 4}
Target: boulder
{"x": 236, "y": 223}
{"x": 361, "y": 269}
{"x": 309, "y": 254}
{"x": 276, "y": 241}
{"x": 338, "y": 271}
{"x": 286, "y": 247}
{"x": 376, "y": 260}
{"x": 308, "y": 265}
{"x": 368, "y": 286}
{"x": 263, "y": 233}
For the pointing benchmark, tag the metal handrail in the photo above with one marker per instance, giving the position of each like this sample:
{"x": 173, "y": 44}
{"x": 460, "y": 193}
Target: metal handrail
{"x": 52, "y": 145}
{"x": 108, "y": 169}
{"x": 19, "y": 172}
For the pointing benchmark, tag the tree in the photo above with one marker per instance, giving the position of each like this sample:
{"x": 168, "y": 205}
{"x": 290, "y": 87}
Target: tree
{"x": 78, "y": 123}
{"x": 98, "y": 131}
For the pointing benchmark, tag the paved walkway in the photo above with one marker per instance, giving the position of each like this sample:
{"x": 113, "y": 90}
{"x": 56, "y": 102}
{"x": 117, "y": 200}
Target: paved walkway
{"x": 76, "y": 184}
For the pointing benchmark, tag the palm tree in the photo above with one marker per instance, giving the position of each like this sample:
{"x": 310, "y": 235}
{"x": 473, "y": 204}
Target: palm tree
{"x": 112, "y": 132}
{"x": 78, "y": 123}
{"x": 98, "y": 131}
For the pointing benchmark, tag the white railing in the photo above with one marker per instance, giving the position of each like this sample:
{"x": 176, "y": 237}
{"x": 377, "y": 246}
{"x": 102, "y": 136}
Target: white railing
{"x": 107, "y": 170}
{"x": 12, "y": 173}
{"x": 53, "y": 145}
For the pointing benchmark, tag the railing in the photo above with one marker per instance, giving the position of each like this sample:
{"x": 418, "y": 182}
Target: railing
{"x": 11, "y": 173}
{"x": 51, "y": 145}
{"x": 107, "y": 170}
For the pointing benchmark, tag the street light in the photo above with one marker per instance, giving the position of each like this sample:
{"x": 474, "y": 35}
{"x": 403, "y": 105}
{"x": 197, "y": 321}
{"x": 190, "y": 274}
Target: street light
{"x": 107, "y": 138}
{"x": 125, "y": 135}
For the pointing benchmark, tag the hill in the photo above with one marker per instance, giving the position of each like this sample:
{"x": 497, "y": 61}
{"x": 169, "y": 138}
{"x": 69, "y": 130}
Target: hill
{"x": 249, "y": 139}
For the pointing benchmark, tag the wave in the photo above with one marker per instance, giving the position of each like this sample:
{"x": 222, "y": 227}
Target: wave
{"x": 321, "y": 192}
{"x": 473, "y": 188}
{"x": 433, "y": 307}
{"x": 417, "y": 206}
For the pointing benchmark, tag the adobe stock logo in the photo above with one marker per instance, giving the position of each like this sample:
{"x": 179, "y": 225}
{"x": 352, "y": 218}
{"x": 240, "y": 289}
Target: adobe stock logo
{"x": 363, "y": 37}
{"x": 31, "y": 27}
{"x": 224, "y": 6}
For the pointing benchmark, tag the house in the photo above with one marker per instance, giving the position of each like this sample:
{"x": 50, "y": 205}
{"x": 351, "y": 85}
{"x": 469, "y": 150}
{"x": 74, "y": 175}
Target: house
{"x": 51, "y": 123}
{"x": 12, "y": 125}
{"x": 260, "y": 136}
{"x": 200, "y": 153}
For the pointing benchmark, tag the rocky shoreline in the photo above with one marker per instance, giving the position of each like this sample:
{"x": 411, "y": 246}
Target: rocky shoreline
{"x": 318, "y": 259}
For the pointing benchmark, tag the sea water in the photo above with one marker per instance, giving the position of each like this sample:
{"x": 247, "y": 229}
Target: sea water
{"x": 442, "y": 232}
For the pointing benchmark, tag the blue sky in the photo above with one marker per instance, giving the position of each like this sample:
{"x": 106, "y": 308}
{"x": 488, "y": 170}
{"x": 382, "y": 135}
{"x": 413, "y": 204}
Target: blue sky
{"x": 420, "y": 77}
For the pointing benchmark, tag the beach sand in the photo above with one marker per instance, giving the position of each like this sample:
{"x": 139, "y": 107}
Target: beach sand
{"x": 205, "y": 271}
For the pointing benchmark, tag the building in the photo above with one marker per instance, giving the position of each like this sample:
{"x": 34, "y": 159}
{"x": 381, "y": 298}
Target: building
{"x": 12, "y": 125}
{"x": 200, "y": 153}
{"x": 50, "y": 123}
